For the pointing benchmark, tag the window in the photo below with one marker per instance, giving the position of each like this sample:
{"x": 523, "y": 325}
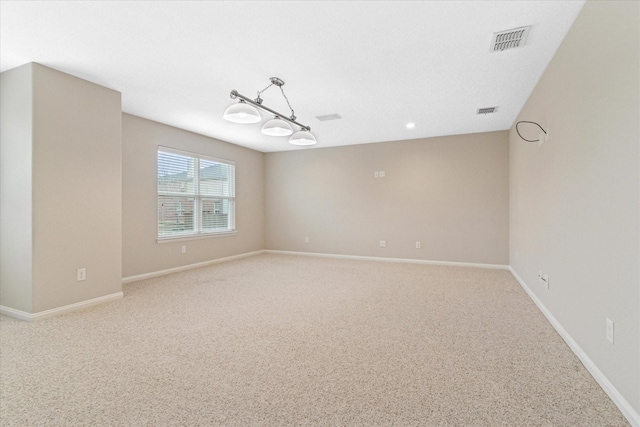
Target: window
{"x": 196, "y": 195}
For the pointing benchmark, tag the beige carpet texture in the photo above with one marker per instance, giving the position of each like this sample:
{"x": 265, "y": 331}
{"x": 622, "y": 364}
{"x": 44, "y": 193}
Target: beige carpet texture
{"x": 285, "y": 340}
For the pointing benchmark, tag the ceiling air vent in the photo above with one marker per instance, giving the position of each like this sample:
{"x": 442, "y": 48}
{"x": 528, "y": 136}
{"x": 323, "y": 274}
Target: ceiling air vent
{"x": 487, "y": 110}
{"x": 328, "y": 117}
{"x": 509, "y": 39}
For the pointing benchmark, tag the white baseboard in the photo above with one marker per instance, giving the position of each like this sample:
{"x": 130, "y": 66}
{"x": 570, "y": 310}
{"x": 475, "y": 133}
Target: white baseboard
{"x": 400, "y": 260}
{"x": 159, "y": 273}
{"x": 632, "y": 416}
{"x": 31, "y": 317}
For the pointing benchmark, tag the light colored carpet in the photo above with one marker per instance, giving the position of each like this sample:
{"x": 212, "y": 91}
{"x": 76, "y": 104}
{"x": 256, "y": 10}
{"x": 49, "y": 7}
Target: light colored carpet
{"x": 277, "y": 340}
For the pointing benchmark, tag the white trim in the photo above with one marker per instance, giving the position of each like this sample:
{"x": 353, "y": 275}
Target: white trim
{"x": 186, "y": 153}
{"x": 632, "y": 416}
{"x": 159, "y": 273}
{"x": 195, "y": 236}
{"x": 29, "y": 317}
{"x": 400, "y": 260}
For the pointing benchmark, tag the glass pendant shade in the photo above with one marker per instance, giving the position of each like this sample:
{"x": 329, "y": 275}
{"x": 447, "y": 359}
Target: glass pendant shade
{"x": 277, "y": 127}
{"x": 242, "y": 113}
{"x": 302, "y": 137}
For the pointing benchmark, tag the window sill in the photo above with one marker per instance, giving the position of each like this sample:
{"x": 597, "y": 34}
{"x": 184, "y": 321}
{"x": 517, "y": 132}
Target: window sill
{"x": 195, "y": 237}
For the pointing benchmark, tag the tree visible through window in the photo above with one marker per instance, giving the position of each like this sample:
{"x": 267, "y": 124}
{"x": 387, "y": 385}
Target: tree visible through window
{"x": 196, "y": 194}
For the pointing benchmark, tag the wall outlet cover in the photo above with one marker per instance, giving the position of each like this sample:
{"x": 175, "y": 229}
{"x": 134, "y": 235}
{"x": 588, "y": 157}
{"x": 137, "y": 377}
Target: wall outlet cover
{"x": 609, "y": 330}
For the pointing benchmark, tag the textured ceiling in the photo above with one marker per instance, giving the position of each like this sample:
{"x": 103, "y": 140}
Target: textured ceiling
{"x": 379, "y": 65}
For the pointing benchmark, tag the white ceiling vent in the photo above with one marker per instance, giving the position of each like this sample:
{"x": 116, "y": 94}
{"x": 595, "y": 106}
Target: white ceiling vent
{"x": 328, "y": 117}
{"x": 509, "y": 39}
{"x": 487, "y": 110}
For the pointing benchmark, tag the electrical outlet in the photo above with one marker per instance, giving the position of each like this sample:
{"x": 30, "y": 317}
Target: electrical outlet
{"x": 543, "y": 279}
{"x": 184, "y": 249}
{"x": 383, "y": 243}
{"x": 81, "y": 274}
{"x": 382, "y": 174}
{"x": 306, "y": 240}
{"x": 418, "y": 245}
{"x": 610, "y": 330}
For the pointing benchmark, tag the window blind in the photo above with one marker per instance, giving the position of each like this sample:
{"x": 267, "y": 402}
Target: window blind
{"x": 196, "y": 194}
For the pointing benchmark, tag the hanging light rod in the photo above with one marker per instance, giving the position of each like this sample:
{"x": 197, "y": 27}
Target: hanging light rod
{"x": 245, "y": 112}
{"x": 235, "y": 94}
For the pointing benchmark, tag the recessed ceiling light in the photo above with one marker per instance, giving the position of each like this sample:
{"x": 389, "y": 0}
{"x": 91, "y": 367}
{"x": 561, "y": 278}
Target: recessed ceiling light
{"x": 411, "y": 125}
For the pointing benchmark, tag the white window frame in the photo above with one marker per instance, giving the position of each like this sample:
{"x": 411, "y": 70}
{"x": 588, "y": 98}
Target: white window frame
{"x": 197, "y": 232}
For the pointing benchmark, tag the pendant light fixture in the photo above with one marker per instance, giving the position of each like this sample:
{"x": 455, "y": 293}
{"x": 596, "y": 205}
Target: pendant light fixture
{"x": 277, "y": 127}
{"x": 246, "y": 111}
{"x": 302, "y": 137}
{"x": 242, "y": 113}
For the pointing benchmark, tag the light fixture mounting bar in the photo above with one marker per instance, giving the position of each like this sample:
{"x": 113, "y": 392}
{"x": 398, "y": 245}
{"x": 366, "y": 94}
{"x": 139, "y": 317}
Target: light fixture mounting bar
{"x": 234, "y": 94}
{"x": 276, "y": 81}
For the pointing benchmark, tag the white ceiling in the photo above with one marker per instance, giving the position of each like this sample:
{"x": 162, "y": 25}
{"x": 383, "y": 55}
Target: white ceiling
{"x": 378, "y": 64}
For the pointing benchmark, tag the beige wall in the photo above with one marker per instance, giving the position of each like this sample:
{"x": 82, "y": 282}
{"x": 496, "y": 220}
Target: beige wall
{"x": 74, "y": 213}
{"x": 16, "y": 95}
{"x": 77, "y": 192}
{"x": 449, "y": 193}
{"x": 574, "y": 200}
{"x": 141, "y": 253}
